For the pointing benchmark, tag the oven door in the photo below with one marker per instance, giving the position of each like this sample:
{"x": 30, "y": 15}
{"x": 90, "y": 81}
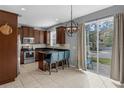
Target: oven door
{"x": 29, "y": 57}
{"x": 29, "y": 54}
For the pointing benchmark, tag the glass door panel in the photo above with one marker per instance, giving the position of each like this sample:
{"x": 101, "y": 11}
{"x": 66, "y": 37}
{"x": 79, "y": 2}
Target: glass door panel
{"x": 91, "y": 46}
{"x": 105, "y": 28}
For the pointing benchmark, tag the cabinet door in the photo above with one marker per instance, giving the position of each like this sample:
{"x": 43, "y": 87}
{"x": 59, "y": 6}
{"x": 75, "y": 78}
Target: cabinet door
{"x": 22, "y": 57}
{"x": 36, "y": 56}
{"x": 60, "y": 32}
{"x": 25, "y": 31}
{"x": 31, "y": 32}
{"x": 41, "y": 37}
{"x": 46, "y": 37}
{"x": 62, "y": 41}
{"x": 57, "y": 36}
{"x": 37, "y": 36}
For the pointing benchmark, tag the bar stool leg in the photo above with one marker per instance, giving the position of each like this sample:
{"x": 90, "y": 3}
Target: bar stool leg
{"x": 68, "y": 62}
{"x": 63, "y": 65}
{"x": 49, "y": 69}
{"x": 56, "y": 66}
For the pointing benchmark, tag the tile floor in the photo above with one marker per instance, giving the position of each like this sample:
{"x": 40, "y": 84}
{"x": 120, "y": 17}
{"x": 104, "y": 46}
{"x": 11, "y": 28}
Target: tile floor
{"x": 103, "y": 69}
{"x": 31, "y": 77}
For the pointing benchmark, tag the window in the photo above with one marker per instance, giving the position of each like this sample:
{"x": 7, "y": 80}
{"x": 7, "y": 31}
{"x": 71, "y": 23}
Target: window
{"x": 53, "y": 38}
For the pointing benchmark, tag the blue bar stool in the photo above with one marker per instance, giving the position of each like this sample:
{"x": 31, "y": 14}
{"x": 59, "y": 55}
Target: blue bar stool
{"x": 61, "y": 58}
{"x": 52, "y": 58}
{"x": 67, "y": 56}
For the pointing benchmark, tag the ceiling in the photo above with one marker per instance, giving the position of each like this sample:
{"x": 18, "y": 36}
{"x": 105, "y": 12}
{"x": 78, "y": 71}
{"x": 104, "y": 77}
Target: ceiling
{"x": 48, "y": 15}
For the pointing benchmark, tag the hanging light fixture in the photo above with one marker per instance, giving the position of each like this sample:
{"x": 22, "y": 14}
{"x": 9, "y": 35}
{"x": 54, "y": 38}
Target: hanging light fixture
{"x": 71, "y": 26}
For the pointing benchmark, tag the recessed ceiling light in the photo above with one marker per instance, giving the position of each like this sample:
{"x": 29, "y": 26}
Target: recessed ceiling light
{"x": 23, "y": 9}
{"x": 57, "y": 19}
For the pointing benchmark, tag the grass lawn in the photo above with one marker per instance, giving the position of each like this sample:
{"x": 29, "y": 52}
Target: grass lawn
{"x": 102, "y": 60}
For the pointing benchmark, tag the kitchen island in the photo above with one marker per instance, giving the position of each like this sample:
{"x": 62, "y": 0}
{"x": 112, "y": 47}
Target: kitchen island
{"x": 42, "y": 52}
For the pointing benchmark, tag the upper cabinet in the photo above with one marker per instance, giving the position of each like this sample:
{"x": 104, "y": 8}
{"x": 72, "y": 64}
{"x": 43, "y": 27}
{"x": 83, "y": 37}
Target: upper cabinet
{"x": 46, "y": 37}
{"x": 31, "y": 32}
{"x": 41, "y": 37}
{"x": 25, "y": 31}
{"x": 60, "y": 35}
{"x": 37, "y": 36}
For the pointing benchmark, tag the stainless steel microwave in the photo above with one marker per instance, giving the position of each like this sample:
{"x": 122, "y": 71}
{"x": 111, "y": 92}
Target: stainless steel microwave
{"x": 28, "y": 40}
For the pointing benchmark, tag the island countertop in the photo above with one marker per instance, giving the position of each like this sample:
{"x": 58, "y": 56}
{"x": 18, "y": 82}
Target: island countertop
{"x": 50, "y": 49}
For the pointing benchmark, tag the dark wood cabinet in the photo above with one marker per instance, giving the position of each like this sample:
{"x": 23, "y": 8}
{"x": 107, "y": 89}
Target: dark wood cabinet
{"x": 46, "y": 37}
{"x": 22, "y": 57}
{"x": 8, "y": 48}
{"x": 36, "y": 56}
{"x": 60, "y": 35}
{"x": 37, "y": 36}
{"x": 31, "y": 32}
{"x": 41, "y": 37}
{"x": 25, "y": 31}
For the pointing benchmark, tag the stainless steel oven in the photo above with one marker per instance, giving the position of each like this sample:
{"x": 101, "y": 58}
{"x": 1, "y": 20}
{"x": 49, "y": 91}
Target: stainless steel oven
{"x": 29, "y": 56}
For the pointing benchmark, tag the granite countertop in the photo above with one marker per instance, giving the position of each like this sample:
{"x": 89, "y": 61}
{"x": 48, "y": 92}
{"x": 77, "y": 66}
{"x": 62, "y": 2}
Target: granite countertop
{"x": 46, "y": 49}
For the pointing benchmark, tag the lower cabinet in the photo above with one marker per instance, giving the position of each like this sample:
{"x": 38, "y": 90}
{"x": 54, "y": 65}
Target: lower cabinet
{"x": 36, "y": 56}
{"x": 22, "y": 57}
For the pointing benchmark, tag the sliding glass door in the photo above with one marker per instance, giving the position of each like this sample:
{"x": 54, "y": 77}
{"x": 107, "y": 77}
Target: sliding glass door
{"x": 99, "y": 46}
{"x": 91, "y": 46}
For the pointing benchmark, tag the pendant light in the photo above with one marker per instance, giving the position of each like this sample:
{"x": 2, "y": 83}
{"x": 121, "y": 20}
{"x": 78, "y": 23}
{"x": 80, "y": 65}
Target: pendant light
{"x": 71, "y": 26}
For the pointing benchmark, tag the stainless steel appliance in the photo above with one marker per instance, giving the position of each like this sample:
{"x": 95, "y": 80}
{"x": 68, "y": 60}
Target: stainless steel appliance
{"x": 28, "y": 40}
{"x": 29, "y": 56}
